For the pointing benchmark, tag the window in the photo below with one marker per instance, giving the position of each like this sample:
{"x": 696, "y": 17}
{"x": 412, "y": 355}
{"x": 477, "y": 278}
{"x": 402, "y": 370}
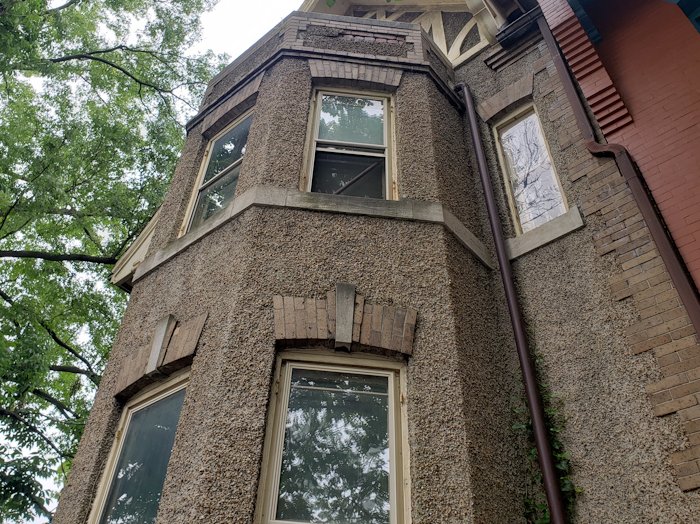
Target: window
{"x": 335, "y": 449}
{"x": 533, "y": 187}
{"x": 351, "y": 154}
{"x": 222, "y": 165}
{"x": 133, "y": 479}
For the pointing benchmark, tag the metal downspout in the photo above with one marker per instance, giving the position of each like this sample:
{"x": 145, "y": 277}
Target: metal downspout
{"x": 645, "y": 201}
{"x": 534, "y": 400}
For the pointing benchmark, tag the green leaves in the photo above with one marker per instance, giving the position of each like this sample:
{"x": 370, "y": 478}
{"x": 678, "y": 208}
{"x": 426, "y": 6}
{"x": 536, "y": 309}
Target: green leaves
{"x": 92, "y": 100}
{"x": 536, "y": 508}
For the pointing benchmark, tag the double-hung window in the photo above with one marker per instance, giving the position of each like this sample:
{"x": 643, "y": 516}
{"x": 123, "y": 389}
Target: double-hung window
{"x": 533, "y": 187}
{"x": 219, "y": 177}
{"x": 351, "y": 153}
{"x": 335, "y": 453}
{"x": 132, "y": 483}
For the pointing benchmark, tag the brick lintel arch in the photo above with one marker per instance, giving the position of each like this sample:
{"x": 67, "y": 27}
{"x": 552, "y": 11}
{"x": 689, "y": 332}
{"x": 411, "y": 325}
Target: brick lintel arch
{"x": 343, "y": 319}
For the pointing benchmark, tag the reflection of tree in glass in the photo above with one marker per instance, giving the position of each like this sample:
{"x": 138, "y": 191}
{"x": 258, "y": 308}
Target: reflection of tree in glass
{"x": 535, "y": 189}
{"x": 215, "y": 196}
{"x": 138, "y": 480}
{"x": 350, "y": 119}
{"x": 228, "y": 149}
{"x": 335, "y": 465}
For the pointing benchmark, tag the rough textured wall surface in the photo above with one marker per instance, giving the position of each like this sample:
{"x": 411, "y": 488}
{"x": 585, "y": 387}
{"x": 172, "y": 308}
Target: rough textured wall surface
{"x": 172, "y": 211}
{"x": 620, "y": 450}
{"x": 235, "y": 271}
{"x": 459, "y": 380}
{"x": 487, "y": 355}
{"x": 280, "y": 119}
{"x": 431, "y": 151}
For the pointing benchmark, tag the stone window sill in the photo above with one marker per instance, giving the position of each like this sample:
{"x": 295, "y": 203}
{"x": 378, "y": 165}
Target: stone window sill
{"x": 546, "y": 233}
{"x": 266, "y": 196}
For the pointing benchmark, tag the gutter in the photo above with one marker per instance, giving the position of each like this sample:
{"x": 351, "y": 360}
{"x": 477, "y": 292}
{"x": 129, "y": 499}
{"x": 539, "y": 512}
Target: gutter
{"x": 532, "y": 393}
{"x": 640, "y": 192}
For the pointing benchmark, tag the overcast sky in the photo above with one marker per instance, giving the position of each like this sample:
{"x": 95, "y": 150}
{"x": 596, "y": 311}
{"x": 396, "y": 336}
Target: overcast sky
{"x": 233, "y": 25}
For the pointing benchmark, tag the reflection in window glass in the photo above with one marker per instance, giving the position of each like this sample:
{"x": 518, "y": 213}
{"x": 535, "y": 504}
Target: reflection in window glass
{"x": 218, "y": 186}
{"x": 227, "y": 149}
{"x": 140, "y": 471}
{"x": 348, "y": 175}
{"x": 335, "y": 459}
{"x": 351, "y": 119}
{"x": 215, "y": 196}
{"x": 350, "y": 147}
{"x": 534, "y": 186}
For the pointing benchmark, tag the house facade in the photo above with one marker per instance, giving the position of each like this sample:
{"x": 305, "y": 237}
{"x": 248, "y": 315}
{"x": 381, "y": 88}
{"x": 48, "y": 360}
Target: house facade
{"x": 379, "y": 207}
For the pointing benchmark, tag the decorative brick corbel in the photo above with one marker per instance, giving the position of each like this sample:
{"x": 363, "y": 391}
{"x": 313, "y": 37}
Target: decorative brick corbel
{"x": 343, "y": 320}
{"x": 173, "y": 347}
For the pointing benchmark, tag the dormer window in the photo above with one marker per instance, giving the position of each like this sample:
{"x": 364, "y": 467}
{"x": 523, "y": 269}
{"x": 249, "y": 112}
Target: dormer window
{"x": 219, "y": 176}
{"x": 351, "y": 153}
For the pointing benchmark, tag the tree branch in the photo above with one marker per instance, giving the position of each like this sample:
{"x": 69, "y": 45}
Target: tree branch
{"x": 75, "y": 369}
{"x": 65, "y": 410}
{"x": 94, "y": 377}
{"x": 17, "y": 417}
{"x": 58, "y": 257}
{"x": 39, "y": 505}
{"x": 62, "y": 7}
{"x": 92, "y": 55}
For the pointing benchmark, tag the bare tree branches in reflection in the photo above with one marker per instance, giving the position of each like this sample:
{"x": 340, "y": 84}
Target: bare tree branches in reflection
{"x": 534, "y": 186}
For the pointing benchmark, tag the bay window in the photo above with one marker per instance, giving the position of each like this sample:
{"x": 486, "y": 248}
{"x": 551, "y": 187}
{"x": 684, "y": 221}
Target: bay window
{"x": 219, "y": 177}
{"x": 335, "y": 452}
{"x": 351, "y": 145}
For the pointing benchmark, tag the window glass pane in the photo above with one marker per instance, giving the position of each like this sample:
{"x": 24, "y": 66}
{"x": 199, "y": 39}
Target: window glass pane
{"x": 351, "y": 175}
{"x": 227, "y": 149}
{"x": 215, "y": 197}
{"x": 351, "y": 119}
{"x": 534, "y": 184}
{"x": 340, "y": 381}
{"x": 335, "y": 463}
{"x": 138, "y": 479}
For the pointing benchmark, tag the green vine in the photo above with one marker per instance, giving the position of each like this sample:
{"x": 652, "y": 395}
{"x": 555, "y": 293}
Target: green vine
{"x": 536, "y": 510}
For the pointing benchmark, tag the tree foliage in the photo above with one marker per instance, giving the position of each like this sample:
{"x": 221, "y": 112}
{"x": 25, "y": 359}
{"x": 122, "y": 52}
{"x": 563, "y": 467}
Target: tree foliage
{"x": 335, "y": 464}
{"x": 92, "y": 97}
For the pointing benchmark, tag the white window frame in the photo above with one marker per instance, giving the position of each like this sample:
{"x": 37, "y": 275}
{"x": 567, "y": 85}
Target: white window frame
{"x": 322, "y": 359}
{"x": 144, "y": 399}
{"x": 189, "y": 213}
{"x": 390, "y": 185}
{"x": 512, "y": 118}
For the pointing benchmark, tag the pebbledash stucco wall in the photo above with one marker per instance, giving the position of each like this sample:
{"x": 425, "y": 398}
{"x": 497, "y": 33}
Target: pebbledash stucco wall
{"x": 460, "y": 381}
{"x": 463, "y": 381}
{"x": 620, "y": 451}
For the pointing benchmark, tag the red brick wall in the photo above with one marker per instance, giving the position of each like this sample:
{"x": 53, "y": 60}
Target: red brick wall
{"x": 652, "y": 53}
